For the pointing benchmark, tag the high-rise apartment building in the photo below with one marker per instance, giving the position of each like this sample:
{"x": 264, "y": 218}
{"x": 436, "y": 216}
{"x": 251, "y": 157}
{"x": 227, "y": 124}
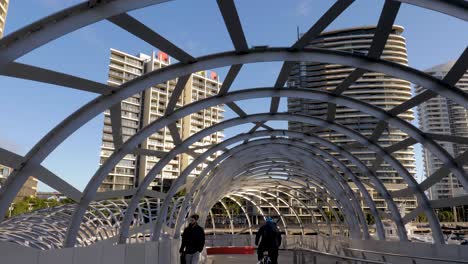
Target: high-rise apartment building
{"x": 143, "y": 108}
{"x": 3, "y": 14}
{"x": 440, "y": 115}
{"x": 374, "y": 88}
{"x": 29, "y": 189}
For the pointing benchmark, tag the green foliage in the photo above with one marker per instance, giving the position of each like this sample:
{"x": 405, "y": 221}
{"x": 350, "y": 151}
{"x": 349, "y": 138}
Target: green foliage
{"x": 233, "y": 207}
{"x": 67, "y": 201}
{"x": 370, "y": 218}
{"x": 332, "y": 217}
{"x": 181, "y": 193}
{"x": 422, "y": 218}
{"x": 29, "y": 204}
{"x": 445, "y": 216}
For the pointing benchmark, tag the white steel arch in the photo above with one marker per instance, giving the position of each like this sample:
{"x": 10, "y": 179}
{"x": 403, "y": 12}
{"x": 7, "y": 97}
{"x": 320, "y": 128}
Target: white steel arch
{"x": 39, "y": 33}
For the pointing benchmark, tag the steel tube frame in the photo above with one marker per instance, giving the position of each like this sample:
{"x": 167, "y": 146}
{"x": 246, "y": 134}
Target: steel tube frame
{"x": 356, "y": 180}
{"x": 301, "y": 225}
{"x": 217, "y": 185}
{"x": 244, "y": 211}
{"x": 327, "y": 220}
{"x": 195, "y": 186}
{"x": 231, "y": 222}
{"x": 43, "y": 31}
{"x": 370, "y": 201}
{"x": 281, "y": 91}
{"x": 311, "y": 198}
{"x": 224, "y": 98}
{"x": 312, "y": 215}
{"x": 318, "y": 229}
{"x": 285, "y": 225}
{"x": 57, "y": 135}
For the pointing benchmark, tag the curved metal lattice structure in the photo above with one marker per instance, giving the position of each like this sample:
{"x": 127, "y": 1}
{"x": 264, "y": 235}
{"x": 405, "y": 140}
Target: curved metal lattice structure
{"x": 248, "y": 166}
{"x": 47, "y": 228}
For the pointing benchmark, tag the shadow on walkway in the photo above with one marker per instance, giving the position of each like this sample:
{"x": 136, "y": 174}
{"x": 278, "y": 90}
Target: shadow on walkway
{"x": 285, "y": 257}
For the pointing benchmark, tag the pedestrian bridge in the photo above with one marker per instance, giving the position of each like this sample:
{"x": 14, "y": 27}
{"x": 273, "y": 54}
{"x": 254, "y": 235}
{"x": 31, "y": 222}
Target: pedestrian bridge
{"x": 321, "y": 184}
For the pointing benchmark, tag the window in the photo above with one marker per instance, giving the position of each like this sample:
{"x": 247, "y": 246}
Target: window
{"x": 5, "y": 171}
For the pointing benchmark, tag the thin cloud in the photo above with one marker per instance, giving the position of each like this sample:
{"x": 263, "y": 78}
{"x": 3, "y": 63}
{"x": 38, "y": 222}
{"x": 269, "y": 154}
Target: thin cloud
{"x": 192, "y": 45}
{"x": 11, "y": 146}
{"x": 90, "y": 36}
{"x": 304, "y": 8}
{"x": 58, "y": 4}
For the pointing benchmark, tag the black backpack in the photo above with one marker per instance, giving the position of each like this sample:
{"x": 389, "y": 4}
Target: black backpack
{"x": 270, "y": 236}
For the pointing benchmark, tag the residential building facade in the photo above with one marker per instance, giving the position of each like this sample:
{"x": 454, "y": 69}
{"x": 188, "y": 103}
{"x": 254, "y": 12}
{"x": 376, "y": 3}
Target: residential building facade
{"x": 3, "y": 15}
{"x": 374, "y": 88}
{"x": 141, "y": 109}
{"x": 29, "y": 188}
{"x": 440, "y": 115}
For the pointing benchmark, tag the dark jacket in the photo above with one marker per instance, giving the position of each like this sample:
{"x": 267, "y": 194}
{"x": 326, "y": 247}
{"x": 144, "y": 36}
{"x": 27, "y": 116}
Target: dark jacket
{"x": 193, "y": 239}
{"x": 270, "y": 237}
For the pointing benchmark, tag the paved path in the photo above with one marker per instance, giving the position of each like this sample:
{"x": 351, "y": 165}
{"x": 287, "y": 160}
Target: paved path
{"x": 285, "y": 257}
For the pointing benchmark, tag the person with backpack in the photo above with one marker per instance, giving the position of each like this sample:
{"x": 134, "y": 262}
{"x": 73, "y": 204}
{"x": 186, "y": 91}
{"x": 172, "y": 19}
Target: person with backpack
{"x": 193, "y": 241}
{"x": 268, "y": 239}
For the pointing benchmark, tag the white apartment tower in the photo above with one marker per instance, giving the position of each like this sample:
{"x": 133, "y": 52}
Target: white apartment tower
{"x": 374, "y": 88}
{"x": 3, "y": 15}
{"x": 143, "y": 108}
{"x": 30, "y": 187}
{"x": 440, "y": 115}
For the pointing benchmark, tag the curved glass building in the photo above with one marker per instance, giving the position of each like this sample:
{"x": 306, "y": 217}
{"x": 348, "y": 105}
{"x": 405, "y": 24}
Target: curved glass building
{"x": 374, "y": 88}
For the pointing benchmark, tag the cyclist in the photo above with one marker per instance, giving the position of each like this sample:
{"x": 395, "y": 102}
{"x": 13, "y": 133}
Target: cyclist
{"x": 268, "y": 239}
{"x": 266, "y": 259}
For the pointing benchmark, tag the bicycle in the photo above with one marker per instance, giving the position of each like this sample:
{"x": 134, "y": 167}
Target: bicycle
{"x": 266, "y": 259}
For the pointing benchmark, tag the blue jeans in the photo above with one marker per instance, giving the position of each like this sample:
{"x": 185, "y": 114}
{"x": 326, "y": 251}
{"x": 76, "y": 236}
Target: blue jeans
{"x": 192, "y": 258}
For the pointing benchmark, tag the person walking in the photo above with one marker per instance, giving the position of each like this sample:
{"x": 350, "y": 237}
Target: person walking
{"x": 268, "y": 239}
{"x": 193, "y": 241}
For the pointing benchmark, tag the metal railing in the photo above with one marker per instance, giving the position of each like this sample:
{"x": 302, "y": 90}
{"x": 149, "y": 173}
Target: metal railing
{"x": 311, "y": 256}
{"x": 305, "y": 251}
{"x": 414, "y": 259}
{"x": 228, "y": 240}
{"x": 306, "y": 255}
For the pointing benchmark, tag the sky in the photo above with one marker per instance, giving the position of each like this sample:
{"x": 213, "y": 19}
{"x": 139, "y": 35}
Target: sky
{"x": 30, "y": 109}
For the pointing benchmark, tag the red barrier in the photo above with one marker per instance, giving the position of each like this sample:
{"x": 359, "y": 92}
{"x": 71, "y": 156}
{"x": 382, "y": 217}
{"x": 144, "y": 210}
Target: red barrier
{"x": 230, "y": 250}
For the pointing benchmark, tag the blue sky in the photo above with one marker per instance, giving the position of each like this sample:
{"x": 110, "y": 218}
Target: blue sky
{"x": 30, "y": 109}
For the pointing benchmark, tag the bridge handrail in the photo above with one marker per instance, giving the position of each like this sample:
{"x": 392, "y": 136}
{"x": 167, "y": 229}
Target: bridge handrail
{"x": 341, "y": 256}
{"x": 406, "y": 256}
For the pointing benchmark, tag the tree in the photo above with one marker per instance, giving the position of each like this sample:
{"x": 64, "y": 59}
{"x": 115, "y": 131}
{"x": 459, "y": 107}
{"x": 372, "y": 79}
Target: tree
{"x": 29, "y": 204}
{"x": 181, "y": 193}
{"x": 370, "y": 218}
{"x": 233, "y": 207}
{"x": 332, "y": 217}
{"x": 422, "y": 218}
{"x": 445, "y": 216}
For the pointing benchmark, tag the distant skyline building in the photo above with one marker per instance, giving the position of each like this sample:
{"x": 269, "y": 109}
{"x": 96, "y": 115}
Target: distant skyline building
{"x": 374, "y": 88}
{"x": 3, "y": 15}
{"x": 29, "y": 189}
{"x": 440, "y": 115}
{"x": 51, "y": 195}
{"x": 143, "y": 108}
